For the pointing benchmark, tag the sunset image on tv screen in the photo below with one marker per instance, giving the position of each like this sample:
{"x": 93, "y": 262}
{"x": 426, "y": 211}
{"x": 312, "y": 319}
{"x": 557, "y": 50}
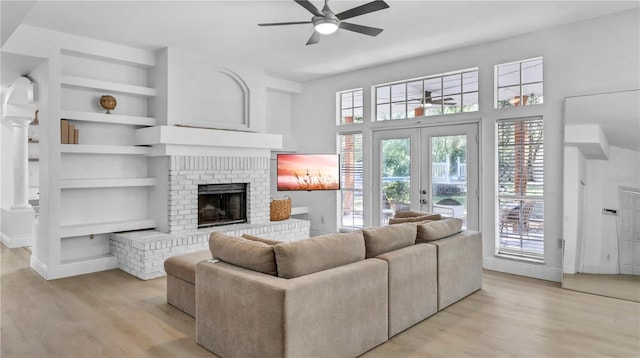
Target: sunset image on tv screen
{"x": 308, "y": 172}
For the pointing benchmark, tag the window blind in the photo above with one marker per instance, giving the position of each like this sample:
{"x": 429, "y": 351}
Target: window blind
{"x": 351, "y": 177}
{"x": 520, "y": 211}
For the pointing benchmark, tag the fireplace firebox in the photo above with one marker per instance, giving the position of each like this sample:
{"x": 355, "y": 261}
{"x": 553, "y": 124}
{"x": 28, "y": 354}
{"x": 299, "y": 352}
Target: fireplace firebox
{"x": 222, "y": 204}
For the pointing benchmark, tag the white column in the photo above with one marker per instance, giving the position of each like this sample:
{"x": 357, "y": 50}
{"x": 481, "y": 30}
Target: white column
{"x": 20, "y": 127}
{"x": 18, "y": 109}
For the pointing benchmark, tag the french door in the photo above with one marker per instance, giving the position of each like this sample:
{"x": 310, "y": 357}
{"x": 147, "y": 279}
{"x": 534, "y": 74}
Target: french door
{"x": 432, "y": 169}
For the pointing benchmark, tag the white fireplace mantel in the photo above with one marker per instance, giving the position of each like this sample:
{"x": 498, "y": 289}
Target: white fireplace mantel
{"x": 175, "y": 140}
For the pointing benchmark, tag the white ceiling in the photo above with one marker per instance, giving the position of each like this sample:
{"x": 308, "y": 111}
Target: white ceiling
{"x": 617, "y": 114}
{"x": 228, "y": 31}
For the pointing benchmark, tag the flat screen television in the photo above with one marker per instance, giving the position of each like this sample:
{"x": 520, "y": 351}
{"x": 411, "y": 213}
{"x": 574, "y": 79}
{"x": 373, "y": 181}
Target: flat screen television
{"x": 308, "y": 172}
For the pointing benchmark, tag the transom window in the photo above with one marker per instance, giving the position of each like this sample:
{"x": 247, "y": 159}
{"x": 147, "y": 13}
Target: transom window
{"x": 350, "y": 106}
{"x": 519, "y": 83}
{"x": 449, "y": 93}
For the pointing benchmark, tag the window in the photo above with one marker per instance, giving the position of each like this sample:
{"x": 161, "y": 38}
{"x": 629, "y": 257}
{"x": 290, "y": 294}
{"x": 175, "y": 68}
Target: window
{"x": 428, "y": 96}
{"x": 351, "y": 176}
{"x": 519, "y": 83}
{"x": 520, "y": 209}
{"x": 350, "y": 106}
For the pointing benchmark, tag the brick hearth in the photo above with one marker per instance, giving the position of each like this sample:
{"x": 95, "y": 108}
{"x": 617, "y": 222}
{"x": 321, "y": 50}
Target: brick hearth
{"x": 142, "y": 253}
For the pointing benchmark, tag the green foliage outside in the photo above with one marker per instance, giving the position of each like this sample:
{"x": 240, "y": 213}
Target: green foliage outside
{"x": 396, "y": 192}
{"x": 396, "y": 163}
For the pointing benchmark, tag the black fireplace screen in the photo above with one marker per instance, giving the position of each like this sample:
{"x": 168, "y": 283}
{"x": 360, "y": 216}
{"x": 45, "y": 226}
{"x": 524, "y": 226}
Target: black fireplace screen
{"x": 222, "y": 204}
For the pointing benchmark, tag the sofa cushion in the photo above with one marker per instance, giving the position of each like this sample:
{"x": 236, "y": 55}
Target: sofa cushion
{"x": 318, "y": 253}
{"x": 438, "y": 229}
{"x": 184, "y": 266}
{"x": 379, "y": 240}
{"x": 410, "y": 214}
{"x": 261, "y": 239}
{"x": 252, "y": 255}
{"x": 413, "y": 219}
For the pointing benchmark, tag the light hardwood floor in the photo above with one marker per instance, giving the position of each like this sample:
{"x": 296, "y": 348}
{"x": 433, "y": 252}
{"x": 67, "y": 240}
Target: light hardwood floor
{"x": 113, "y": 314}
{"x": 626, "y": 287}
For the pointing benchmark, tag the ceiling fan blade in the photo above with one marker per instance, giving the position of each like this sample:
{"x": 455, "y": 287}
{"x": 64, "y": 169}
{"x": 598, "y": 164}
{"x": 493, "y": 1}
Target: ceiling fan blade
{"x": 367, "y": 30}
{"x": 362, "y": 9}
{"x": 309, "y": 6}
{"x": 441, "y": 102}
{"x": 428, "y": 97}
{"x": 438, "y": 98}
{"x": 314, "y": 39}
{"x": 285, "y": 23}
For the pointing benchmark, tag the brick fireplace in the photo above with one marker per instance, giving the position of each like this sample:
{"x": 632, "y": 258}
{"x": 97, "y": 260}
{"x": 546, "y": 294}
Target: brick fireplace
{"x": 222, "y": 204}
{"x": 186, "y": 173}
{"x": 192, "y": 161}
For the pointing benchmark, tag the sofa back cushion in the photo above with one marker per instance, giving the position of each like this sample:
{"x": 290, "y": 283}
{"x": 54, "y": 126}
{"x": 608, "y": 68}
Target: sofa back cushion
{"x": 412, "y": 219}
{"x": 379, "y": 240}
{"x": 435, "y": 230}
{"x": 252, "y": 255}
{"x": 318, "y": 253}
{"x": 261, "y": 239}
{"x": 410, "y": 213}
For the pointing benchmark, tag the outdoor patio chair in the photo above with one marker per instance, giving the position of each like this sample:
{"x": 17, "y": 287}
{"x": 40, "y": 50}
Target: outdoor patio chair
{"x": 517, "y": 217}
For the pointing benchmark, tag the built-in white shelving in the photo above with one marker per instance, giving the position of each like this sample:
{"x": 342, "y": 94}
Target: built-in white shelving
{"x": 103, "y": 185}
{"x": 92, "y": 84}
{"x": 104, "y": 149}
{"x": 108, "y": 118}
{"x": 299, "y": 210}
{"x": 33, "y": 150}
{"x": 106, "y": 227}
{"x": 106, "y": 183}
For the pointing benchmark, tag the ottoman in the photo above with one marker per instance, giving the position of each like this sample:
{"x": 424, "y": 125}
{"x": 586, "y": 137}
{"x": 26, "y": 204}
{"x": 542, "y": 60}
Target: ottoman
{"x": 181, "y": 280}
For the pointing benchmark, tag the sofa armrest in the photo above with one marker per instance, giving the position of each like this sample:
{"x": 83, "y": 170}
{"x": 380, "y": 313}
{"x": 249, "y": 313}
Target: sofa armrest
{"x": 459, "y": 266}
{"x": 336, "y": 312}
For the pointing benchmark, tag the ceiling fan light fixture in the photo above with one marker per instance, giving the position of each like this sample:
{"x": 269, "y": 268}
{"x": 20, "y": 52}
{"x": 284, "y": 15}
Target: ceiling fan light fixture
{"x": 326, "y": 26}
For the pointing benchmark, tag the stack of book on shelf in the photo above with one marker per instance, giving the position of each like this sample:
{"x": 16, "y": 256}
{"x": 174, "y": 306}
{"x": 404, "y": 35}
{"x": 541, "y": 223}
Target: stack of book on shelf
{"x": 68, "y": 132}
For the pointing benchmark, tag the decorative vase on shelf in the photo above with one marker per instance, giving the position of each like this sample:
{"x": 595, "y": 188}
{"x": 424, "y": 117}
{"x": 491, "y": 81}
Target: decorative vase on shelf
{"x": 108, "y": 102}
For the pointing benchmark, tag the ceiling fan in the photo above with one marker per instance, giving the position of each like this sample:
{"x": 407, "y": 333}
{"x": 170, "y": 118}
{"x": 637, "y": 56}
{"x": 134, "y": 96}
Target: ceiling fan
{"x": 326, "y": 22}
{"x": 429, "y": 100}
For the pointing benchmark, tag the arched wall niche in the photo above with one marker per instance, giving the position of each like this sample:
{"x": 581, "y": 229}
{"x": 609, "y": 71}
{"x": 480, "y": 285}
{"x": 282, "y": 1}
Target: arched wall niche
{"x": 222, "y": 100}
{"x": 234, "y": 101}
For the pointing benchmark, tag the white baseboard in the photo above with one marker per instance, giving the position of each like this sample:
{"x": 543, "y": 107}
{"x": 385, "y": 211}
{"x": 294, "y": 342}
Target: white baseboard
{"x": 17, "y": 227}
{"x": 523, "y": 269}
{"x": 14, "y": 242}
{"x": 38, "y": 266}
{"x": 90, "y": 265}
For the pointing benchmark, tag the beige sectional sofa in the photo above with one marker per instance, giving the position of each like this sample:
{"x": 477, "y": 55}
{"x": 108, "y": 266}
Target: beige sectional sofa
{"x": 336, "y": 295}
